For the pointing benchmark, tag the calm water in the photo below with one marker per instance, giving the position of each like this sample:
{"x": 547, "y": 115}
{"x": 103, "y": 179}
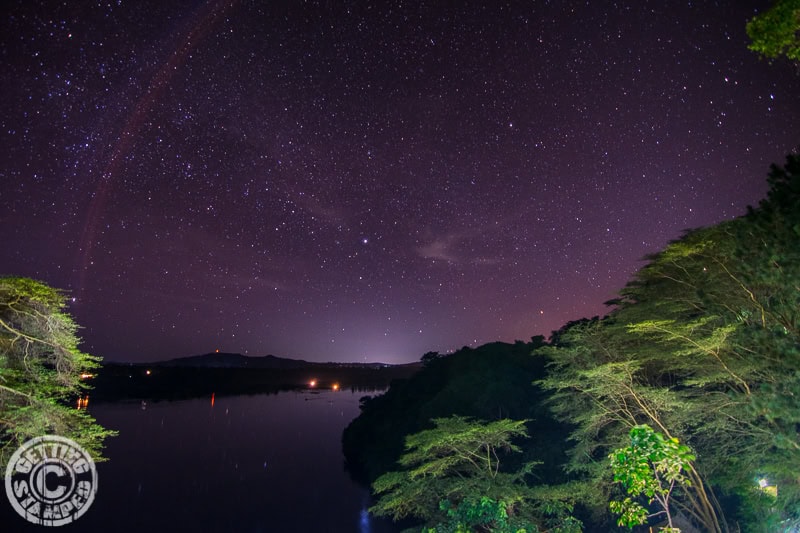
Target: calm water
{"x": 262, "y": 463}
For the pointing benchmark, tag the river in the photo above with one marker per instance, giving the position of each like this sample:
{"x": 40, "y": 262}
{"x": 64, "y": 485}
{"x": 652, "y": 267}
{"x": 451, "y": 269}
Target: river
{"x": 268, "y": 463}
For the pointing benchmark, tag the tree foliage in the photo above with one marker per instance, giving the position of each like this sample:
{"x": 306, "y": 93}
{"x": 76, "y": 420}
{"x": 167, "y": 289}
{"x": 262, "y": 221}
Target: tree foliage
{"x": 457, "y": 460}
{"x": 489, "y": 382}
{"x": 704, "y": 345}
{"x": 485, "y": 514}
{"x": 650, "y": 467}
{"x": 452, "y": 479}
{"x": 40, "y": 369}
{"x": 776, "y": 32}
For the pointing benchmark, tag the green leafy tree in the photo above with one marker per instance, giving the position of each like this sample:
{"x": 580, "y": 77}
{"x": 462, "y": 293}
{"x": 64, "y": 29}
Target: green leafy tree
{"x": 776, "y": 32}
{"x": 603, "y": 380}
{"x": 455, "y": 462}
{"x": 730, "y": 326}
{"x": 40, "y": 369}
{"x": 650, "y": 467}
{"x": 484, "y": 514}
{"x": 704, "y": 345}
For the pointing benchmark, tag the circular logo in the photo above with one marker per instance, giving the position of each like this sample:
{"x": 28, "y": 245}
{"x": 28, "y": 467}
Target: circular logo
{"x": 51, "y": 481}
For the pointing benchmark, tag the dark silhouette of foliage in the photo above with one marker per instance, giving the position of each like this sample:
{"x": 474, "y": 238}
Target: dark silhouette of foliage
{"x": 430, "y": 356}
{"x": 490, "y": 382}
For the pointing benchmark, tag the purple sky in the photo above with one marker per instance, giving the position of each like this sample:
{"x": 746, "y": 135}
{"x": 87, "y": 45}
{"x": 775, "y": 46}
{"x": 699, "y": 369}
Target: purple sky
{"x": 371, "y": 181}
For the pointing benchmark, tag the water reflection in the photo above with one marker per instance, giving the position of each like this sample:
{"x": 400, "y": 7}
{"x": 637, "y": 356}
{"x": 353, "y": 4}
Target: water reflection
{"x": 268, "y": 463}
{"x": 83, "y": 402}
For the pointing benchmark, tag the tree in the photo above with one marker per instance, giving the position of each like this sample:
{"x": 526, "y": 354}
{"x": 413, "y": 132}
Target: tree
{"x": 482, "y": 515}
{"x": 607, "y": 381}
{"x": 40, "y": 369}
{"x": 490, "y": 382}
{"x": 430, "y": 356}
{"x": 651, "y": 467}
{"x": 776, "y": 32}
{"x": 454, "y": 464}
{"x": 704, "y": 345}
{"x": 731, "y": 327}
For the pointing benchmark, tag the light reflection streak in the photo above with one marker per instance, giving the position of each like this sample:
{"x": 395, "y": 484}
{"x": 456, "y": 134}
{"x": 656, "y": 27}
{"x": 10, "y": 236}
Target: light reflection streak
{"x": 83, "y": 403}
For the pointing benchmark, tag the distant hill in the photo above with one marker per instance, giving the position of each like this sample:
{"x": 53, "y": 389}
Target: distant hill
{"x": 232, "y": 360}
{"x": 237, "y": 360}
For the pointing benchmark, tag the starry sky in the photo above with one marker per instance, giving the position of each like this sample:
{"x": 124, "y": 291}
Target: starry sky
{"x": 361, "y": 181}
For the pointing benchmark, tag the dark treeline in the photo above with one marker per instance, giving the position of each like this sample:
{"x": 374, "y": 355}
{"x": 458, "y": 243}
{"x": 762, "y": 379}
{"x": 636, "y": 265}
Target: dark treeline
{"x": 490, "y": 382}
{"x": 679, "y": 409}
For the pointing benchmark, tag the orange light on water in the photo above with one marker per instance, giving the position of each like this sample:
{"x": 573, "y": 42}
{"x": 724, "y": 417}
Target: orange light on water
{"x": 212, "y": 399}
{"x": 83, "y": 403}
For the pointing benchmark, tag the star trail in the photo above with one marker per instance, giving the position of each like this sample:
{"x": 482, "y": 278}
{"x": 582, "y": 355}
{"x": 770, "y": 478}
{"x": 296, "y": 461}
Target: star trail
{"x": 341, "y": 181}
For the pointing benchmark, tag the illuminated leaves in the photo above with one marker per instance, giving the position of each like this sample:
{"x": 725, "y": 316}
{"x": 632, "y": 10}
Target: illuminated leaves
{"x": 457, "y": 460}
{"x": 460, "y": 445}
{"x": 40, "y": 368}
{"x": 776, "y": 32}
{"x": 650, "y": 467}
{"x": 704, "y": 344}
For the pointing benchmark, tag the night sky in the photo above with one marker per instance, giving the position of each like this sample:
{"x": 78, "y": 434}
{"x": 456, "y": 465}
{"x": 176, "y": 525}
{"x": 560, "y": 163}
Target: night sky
{"x": 341, "y": 181}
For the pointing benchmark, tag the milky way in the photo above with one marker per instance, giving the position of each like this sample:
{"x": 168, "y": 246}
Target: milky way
{"x": 371, "y": 181}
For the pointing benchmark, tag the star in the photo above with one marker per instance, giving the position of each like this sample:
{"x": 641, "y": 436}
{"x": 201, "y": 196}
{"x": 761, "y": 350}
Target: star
{"x": 297, "y": 176}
